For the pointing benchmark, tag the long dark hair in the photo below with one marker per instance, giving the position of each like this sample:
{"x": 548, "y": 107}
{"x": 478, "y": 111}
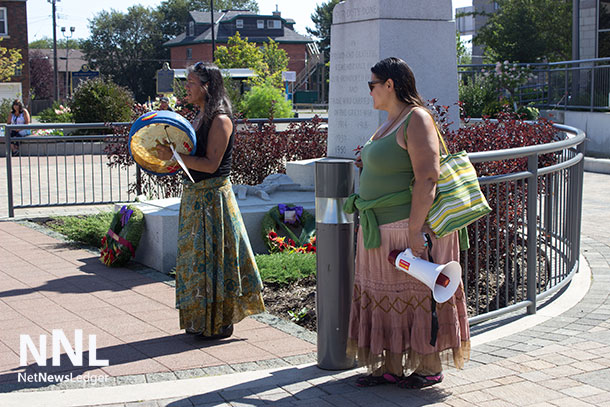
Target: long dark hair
{"x": 19, "y": 105}
{"x": 404, "y": 80}
{"x": 216, "y": 99}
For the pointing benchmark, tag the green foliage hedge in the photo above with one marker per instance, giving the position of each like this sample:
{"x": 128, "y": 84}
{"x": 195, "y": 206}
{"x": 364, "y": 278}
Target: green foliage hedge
{"x": 101, "y": 101}
{"x": 264, "y": 101}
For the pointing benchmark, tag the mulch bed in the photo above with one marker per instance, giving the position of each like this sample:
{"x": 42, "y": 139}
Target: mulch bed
{"x": 294, "y": 297}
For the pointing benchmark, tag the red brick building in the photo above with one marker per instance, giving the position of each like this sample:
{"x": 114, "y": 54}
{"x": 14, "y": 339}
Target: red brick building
{"x": 14, "y": 34}
{"x": 195, "y": 44}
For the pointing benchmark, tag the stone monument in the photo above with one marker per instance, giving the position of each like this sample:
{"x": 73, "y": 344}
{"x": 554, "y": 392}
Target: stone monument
{"x": 365, "y": 31}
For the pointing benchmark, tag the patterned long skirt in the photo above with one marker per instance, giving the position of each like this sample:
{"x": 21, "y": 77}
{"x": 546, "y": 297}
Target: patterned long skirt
{"x": 217, "y": 280}
{"x": 390, "y": 321}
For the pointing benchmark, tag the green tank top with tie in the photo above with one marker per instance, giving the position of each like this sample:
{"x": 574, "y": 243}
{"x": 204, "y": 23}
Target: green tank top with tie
{"x": 386, "y": 170}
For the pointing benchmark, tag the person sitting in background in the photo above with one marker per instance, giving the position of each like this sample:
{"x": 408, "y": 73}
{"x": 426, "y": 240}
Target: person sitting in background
{"x": 164, "y": 104}
{"x": 18, "y": 115}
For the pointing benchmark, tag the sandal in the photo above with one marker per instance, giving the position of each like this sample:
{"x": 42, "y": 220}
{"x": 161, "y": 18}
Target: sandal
{"x": 415, "y": 381}
{"x": 370, "y": 380}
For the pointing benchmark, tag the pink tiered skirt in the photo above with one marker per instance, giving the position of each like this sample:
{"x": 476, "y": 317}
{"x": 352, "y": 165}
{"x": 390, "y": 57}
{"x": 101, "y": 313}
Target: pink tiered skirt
{"x": 390, "y": 322}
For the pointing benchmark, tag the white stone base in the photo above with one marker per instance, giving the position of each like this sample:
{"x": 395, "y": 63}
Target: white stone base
{"x": 158, "y": 246}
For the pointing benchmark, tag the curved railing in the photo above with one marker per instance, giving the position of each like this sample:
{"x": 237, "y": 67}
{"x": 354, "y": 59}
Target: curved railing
{"x": 528, "y": 247}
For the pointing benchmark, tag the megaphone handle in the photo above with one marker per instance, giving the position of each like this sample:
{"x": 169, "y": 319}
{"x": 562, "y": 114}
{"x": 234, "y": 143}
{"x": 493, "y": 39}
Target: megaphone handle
{"x": 434, "y": 324}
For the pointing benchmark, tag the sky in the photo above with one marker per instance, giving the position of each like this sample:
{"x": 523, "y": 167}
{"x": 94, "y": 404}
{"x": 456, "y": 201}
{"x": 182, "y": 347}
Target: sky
{"x": 76, "y": 13}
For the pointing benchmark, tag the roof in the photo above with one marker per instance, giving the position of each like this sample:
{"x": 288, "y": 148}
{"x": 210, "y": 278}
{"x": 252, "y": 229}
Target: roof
{"x": 76, "y": 58}
{"x": 221, "y": 34}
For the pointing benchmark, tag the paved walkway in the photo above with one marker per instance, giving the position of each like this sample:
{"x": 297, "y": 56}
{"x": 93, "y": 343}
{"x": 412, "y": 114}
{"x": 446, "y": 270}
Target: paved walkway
{"x": 558, "y": 357}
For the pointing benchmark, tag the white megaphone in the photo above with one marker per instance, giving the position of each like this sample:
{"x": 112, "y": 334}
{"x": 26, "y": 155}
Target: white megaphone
{"x": 442, "y": 279}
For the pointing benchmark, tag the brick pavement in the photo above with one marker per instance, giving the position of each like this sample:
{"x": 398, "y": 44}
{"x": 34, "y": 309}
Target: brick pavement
{"x": 564, "y": 361}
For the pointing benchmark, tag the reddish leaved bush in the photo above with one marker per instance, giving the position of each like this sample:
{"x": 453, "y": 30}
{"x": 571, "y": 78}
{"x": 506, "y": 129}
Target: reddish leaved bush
{"x": 504, "y": 227}
{"x": 257, "y": 152}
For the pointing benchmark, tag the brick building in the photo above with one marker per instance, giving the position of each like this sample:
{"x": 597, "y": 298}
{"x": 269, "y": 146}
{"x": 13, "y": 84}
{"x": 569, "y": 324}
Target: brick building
{"x": 14, "y": 34}
{"x": 195, "y": 44}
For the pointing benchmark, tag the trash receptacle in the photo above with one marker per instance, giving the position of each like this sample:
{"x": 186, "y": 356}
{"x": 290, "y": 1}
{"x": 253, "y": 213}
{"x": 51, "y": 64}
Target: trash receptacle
{"x": 335, "y": 261}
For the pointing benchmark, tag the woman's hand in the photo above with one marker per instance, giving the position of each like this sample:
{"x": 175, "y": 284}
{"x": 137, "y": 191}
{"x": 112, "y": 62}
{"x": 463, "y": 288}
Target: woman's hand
{"x": 164, "y": 152}
{"x": 358, "y": 162}
{"x": 417, "y": 243}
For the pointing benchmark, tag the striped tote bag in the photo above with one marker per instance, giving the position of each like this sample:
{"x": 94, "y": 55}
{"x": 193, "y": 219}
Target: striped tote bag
{"x": 459, "y": 200}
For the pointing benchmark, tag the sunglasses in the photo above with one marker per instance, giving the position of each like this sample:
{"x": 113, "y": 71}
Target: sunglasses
{"x": 201, "y": 67}
{"x": 373, "y": 83}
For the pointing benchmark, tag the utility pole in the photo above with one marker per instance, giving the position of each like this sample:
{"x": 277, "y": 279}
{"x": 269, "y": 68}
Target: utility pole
{"x": 55, "y": 76}
{"x": 213, "y": 25}
{"x": 67, "y": 37}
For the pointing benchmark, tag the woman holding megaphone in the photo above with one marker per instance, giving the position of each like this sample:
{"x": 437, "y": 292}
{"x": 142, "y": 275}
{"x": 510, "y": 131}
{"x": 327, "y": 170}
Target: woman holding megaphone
{"x": 391, "y": 328}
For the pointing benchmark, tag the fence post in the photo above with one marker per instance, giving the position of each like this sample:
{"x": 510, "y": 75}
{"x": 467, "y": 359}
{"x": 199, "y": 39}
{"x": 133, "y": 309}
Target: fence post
{"x": 565, "y": 92}
{"x": 138, "y": 181}
{"x": 592, "y": 87}
{"x": 532, "y": 231}
{"x": 9, "y": 170}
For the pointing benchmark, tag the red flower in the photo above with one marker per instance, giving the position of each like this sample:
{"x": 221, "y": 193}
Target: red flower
{"x": 271, "y": 235}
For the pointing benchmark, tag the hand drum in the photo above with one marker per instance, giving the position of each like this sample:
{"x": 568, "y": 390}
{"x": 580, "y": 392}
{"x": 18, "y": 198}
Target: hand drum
{"x": 162, "y": 127}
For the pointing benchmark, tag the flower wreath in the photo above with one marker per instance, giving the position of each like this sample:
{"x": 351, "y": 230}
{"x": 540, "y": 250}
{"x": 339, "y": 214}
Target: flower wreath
{"x": 121, "y": 241}
{"x": 289, "y": 220}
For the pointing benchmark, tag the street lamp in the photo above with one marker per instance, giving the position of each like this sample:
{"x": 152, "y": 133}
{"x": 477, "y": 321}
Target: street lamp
{"x": 67, "y": 37}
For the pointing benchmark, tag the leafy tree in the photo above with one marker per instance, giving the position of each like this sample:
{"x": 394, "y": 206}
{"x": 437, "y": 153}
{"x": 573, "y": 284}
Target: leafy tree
{"x": 528, "y": 31}
{"x": 41, "y": 75}
{"x": 463, "y": 56}
{"x": 10, "y": 59}
{"x": 323, "y": 19}
{"x": 267, "y": 61}
{"x": 47, "y": 43}
{"x": 173, "y": 14}
{"x": 239, "y": 53}
{"x": 275, "y": 60}
{"x": 128, "y": 48}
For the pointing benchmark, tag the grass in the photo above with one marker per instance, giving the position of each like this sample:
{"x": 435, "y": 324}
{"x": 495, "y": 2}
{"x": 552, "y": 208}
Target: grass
{"x": 277, "y": 268}
{"x": 87, "y": 229}
{"x": 286, "y": 268}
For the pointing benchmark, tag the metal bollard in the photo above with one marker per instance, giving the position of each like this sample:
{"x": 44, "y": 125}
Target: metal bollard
{"x": 335, "y": 261}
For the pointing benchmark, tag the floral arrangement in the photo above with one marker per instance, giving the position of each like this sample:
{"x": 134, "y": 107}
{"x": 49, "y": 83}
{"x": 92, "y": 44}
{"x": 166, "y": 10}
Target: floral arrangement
{"x": 122, "y": 239}
{"x": 289, "y": 220}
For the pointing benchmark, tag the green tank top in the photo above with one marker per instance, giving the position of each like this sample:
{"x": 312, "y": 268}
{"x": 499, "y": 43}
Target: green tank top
{"x": 387, "y": 169}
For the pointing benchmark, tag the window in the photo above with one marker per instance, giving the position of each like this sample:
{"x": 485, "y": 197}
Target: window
{"x": 191, "y": 28}
{"x": 3, "y": 25}
{"x": 603, "y": 39}
{"x": 189, "y": 53}
{"x": 239, "y": 23}
{"x": 260, "y": 24}
{"x": 275, "y": 24}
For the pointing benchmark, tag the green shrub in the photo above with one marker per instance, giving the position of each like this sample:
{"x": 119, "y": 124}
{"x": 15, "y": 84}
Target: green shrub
{"x": 528, "y": 112}
{"x": 475, "y": 95}
{"x": 57, "y": 113}
{"x": 265, "y": 101}
{"x": 87, "y": 229}
{"x": 5, "y": 108}
{"x": 286, "y": 268}
{"x": 101, "y": 101}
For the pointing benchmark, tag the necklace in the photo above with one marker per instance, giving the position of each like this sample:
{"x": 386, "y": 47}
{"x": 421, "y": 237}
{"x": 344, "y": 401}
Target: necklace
{"x": 375, "y": 137}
